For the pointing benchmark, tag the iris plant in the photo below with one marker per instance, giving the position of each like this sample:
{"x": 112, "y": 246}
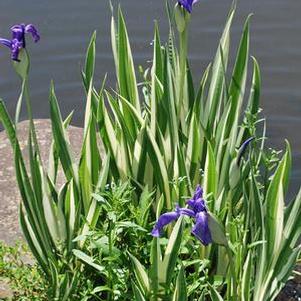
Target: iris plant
{"x": 187, "y": 4}
{"x": 18, "y": 39}
{"x": 198, "y": 211}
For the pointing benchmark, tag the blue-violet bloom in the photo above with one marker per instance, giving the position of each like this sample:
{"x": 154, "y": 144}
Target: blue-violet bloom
{"x": 187, "y": 4}
{"x": 197, "y": 211}
{"x": 18, "y": 39}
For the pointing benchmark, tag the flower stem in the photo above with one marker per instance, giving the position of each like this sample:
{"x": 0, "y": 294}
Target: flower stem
{"x": 30, "y": 117}
{"x": 182, "y": 105}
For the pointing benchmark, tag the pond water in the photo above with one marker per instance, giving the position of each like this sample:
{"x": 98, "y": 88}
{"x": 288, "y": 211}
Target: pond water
{"x": 66, "y": 26}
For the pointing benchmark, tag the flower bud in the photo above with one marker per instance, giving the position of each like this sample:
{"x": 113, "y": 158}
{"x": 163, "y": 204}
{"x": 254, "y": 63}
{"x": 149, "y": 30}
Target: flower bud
{"x": 182, "y": 17}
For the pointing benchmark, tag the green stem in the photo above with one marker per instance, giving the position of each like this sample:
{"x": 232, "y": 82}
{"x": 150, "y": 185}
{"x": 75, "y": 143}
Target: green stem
{"x": 30, "y": 117}
{"x": 111, "y": 293}
{"x": 182, "y": 105}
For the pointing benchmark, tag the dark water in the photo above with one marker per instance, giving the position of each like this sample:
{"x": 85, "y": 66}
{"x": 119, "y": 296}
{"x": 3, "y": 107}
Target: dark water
{"x": 66, "y": 27}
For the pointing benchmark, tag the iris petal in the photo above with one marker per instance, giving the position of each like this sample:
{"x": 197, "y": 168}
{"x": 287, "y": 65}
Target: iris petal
{"x": 187, "y": 4}
{"x": 18, "y": 39}
{"x": 164, "y": 220}
{"x": 18, "y": 32}
{"x": 31, "y": 29}
{"x": 187, "y": 212}
{"x": 5, "y": 42}
{"x": 197, "y": 202}
{"x": 198, "y": 212}
{"x": 201, "y": 230}
{"x": 198, "y": 194}
{"x": 15, "y": 48}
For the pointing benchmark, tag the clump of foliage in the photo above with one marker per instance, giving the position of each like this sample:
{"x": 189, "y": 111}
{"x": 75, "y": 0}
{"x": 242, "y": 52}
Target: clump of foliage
{"x": 162, "y": 136}
{"x": 19, "y": 270}
{"x": 121, "y": 220}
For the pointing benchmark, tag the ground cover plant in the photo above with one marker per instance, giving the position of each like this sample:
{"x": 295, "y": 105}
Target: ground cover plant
{"x": 18, "y": 270}
{"x": 189, "y": 157}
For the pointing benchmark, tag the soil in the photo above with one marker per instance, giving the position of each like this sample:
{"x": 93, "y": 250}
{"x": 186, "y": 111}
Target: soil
{"x": 292, "y": 290}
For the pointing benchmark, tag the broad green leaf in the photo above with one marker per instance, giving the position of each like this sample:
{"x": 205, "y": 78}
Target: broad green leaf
{"x": 216, "y": 229}
{"x": 126, "y": 72}
{"x": 22, "y": 67}
{"x": 137, "y": 293}
{"x": 275, "y": 206}
{"x": 62, "y": 143}
{"x": 156, "y": 77}
{"x": 215, "y": 296}
{"x": 90, "y": 62}
{"x": 88, "y": 260}
{"x": 180, "y": 293}
{"x": 32, "y": 240}
{"x": 53, "y": 154}
{"x": 238, "y": 85}
{"x": 217, "y": 74}
{"x": 156, "y": 265}
{"x": 193, "y": 147}
{"x": 140, "y": 274}
{"x": 246, "y": 282}
{"x": 158, "y": 163}
{"x": 171, "y": 253}
{"x": 210, "y": 173}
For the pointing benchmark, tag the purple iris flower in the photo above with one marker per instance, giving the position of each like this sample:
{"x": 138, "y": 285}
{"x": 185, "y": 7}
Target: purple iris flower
{"x": 187, "y": 4}
{"x": 18, "y": 39}
{"x": 164, "y": 220}
{"x": 198, "y": 211}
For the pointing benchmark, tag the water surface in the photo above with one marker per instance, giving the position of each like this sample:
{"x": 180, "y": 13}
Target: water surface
{"x": 66, "y": 27}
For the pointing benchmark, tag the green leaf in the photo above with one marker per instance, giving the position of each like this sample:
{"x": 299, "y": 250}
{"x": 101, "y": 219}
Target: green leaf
{"x": 88, "y": 260}
{"x": 62, "y": 143}
{"x": 32, "y": 240}
{"x": 90, "y": 62}
{"x": 140, "y": 274}
{"x": 126, "y": 72}
{"x": 171, "y": 252}
{"x": 90, "y": 160}
{"x": 238, "y": 85}
{"x": 275, "y": 207}
{"x": 210, "y": 173}
{"x": 156, "y": 265}
{"x": 180, "y": 293}
{"x": 254, "y": 98}
{"x": 214, "y": 294}
{"x": 159, "y": 165}
{"x": 217, "y": 78}
{"x": 246, "y": 282}
{"x": 216, "y": 229}
{"x": 137, "y": 293}
{"x": 22, "y": 67}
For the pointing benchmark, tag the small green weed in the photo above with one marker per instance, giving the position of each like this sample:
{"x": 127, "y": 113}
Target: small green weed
{"x": 18, "y": 269}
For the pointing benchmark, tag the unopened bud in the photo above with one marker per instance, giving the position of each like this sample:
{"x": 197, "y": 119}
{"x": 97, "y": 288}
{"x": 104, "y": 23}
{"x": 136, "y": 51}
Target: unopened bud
{"x": 182, "y": 17}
